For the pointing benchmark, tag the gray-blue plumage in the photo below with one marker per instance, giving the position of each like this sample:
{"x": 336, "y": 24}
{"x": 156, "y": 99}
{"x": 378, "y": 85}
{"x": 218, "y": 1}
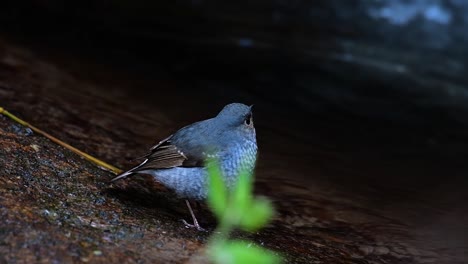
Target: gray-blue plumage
{"x": 178, "y": 161}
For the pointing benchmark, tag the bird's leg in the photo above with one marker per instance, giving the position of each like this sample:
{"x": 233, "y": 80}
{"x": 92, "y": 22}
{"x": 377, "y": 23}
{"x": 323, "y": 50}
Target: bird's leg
{"x": 195, "y": 222}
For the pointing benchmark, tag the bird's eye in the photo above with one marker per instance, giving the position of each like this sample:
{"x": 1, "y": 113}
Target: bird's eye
{"x": 248, "y": 120}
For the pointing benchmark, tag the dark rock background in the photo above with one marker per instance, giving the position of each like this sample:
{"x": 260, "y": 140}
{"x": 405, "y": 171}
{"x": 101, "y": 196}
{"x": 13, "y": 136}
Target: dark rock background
{"x": 359, "y": 109}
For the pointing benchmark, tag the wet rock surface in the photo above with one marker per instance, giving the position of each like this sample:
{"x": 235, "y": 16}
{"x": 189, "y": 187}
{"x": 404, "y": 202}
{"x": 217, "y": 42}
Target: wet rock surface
{"x": 57, "y": 207}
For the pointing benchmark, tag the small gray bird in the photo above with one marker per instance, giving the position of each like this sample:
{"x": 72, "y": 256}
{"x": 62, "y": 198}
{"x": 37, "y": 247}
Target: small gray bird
{"x": 178, "y": 160}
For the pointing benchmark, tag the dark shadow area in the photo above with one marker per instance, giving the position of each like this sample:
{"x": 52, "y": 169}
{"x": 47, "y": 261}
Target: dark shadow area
{"x": 144, "y": 193}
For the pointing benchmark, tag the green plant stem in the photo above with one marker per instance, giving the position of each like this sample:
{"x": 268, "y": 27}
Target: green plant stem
{"x": 224, "y": 229}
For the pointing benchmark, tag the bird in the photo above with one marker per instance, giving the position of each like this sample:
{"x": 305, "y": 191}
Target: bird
{"x": 179, "y": 160}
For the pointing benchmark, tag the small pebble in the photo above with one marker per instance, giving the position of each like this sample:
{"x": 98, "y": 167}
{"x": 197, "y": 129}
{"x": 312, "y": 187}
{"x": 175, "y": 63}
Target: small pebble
{"x": 159, "y": 244}
{"x": 366, "y": 249}
{"x": 35, "y": 147}
{"x": 7, "y": 184}
{"x": 51, "y": 215}
{"x": 427, "y": 260}
{"x": 381, "y": 250}
{"x": 22, "y": 131}
{"x": 413, "y": 251}
{"x": 100, "y": 201}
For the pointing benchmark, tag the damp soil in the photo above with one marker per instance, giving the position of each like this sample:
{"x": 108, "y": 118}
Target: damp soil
{"x": 340, "y": 197}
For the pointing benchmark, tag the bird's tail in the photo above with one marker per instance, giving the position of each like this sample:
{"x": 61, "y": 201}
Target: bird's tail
{"x": 128, "y": 173}
{"x": 123, "y": 175}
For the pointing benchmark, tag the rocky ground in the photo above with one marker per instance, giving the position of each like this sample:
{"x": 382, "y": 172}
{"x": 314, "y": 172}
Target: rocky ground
{"x": 58, "y": 208}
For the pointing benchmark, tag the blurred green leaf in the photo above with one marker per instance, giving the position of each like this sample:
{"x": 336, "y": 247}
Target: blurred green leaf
{"x": 242, "y": 194}
{"x": 237, "y": 209}
{"x": 258, "y": 215}
{"x": 243, "y": 252}
{"x": 217, "y": 191}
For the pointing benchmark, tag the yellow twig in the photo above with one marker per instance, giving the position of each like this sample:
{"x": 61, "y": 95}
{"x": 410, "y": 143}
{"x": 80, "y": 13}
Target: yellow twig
{"x": 96, "y": 161}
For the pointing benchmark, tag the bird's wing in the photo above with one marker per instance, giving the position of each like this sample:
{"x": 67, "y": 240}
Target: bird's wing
{"x": 166, "y": 155}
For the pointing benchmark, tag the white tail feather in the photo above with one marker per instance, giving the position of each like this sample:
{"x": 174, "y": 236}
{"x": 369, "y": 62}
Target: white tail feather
{"x": 129, "y": 172}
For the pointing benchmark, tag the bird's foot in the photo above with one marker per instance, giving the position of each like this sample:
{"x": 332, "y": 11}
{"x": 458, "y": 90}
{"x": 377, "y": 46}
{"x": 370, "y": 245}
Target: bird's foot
{"x": 195, "y": 222}
{"x": 194, "y": 225}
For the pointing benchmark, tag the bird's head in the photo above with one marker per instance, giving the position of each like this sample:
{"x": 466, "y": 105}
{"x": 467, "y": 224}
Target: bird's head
{"x": 236, "y": 115}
